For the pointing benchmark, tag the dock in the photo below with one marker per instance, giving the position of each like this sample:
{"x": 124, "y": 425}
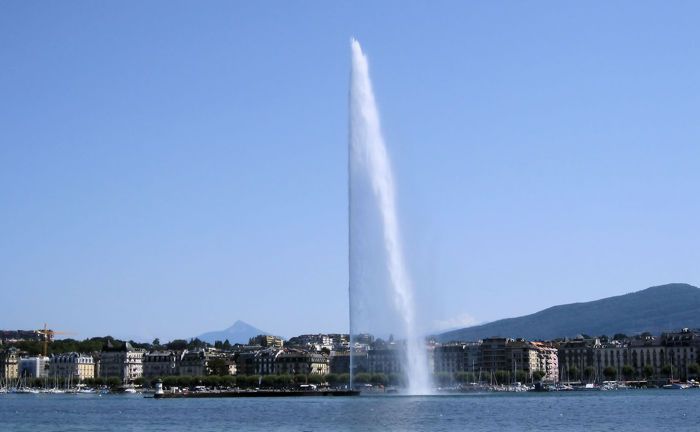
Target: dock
{"x": 256, "y": 393}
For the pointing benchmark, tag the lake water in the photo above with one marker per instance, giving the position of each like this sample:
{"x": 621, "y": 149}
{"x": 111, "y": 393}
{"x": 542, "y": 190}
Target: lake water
{"x": 632, "y": 410}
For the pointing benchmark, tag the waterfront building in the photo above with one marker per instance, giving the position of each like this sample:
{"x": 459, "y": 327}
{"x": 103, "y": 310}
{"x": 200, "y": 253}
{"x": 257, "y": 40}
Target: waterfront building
{"x": 449, "y": 358}
{"x": 73, "y": 366}
{"x": 292, "y": 361}
{"x": 578, "y": 355}
{"x": 492, "y": 355}
{"x": 339, "y": 362}
{"x": 195, "y": 363}
{"x": 682, "y": 349}
{"x": 648, "y": 357}
{"x": 385, "y": 360}
{"x": 522, "y": 356}
{"x": 502, "y": 354}
{"x": 547, "y": 360}
{"x": 124, "y": 362}
{"x": 264, "y": 361}
{"x": 9, "y": 364}
{"x": 34, "y": 367}
{"x": 245, "y": 363}
{"x": 162, "y": 363}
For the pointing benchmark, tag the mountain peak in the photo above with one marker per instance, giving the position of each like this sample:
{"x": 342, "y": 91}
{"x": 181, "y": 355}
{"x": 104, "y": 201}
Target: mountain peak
{"x": 239, "y": 332}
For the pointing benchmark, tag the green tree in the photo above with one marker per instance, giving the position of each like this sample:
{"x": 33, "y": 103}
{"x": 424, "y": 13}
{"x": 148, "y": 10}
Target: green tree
{"x": 538, "y": 375}
{"x": 502, "y": 377}
{"x": 396, "y": 379}
{"x": 170, "y": 381}
{"x": 177, "y": 344}
{"x": 668, "y": 370}
{"x": 442, "y": 378}
{"x": 693, "y": 369}
{"x": 227, "y": 381}
{"x": 156, "y": 342}
{"x": 332, "y": 379}
{"x": 284, "y": 380}
{"x": 573, "y": 373}
{"x": 464, "y": 377}
{"x": 212, "y": 380}
{"x": 315, "y": 379}
{"x": 196, "y": 343}
{"x": 186, "y": 381}
{"x": 648, "y": 371}
{"x": 218, "y": 366}
{"x": 379, "y": 379}
{"x": 589, "y": 373}
{"x": 269, "y": 381}
{"x": 252, "y": 381}
{"x": 628, "y": 372}
{"x": 343, "y": 378}
{"x": 363, "y": 378}
{"x": 113, "y": 382}
{"x": 610, "y": 373}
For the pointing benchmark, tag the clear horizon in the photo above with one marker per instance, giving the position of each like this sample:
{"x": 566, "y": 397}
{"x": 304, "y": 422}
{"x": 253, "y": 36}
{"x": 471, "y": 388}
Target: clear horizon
{"x": 169, "y": 169}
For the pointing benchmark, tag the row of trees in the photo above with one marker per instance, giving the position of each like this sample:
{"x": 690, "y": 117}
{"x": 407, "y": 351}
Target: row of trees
{"x": 60, "y": 346}
{"x": 248, "y": 381}
{"x": 377, "y": 379}
{"x": 287, "y": 380}
{"x": 96, "y": 344}
{"x": 627, "y": 372}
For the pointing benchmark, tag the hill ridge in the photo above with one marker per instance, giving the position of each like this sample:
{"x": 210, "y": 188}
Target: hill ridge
{"x": 654, "y": 309}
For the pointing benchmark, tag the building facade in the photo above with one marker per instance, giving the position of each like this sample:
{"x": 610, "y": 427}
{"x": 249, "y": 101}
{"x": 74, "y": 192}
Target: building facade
{"x": 301, "y": 362}
{"x": 162, "y": 363}
{"x": 73, "y": 366}
{"x": 9, "y": 364}
{"x": 643, "y": 357}
{"x": 385, "y": 360}
{"x": 195, "y": 363}
{"x": 125, "y": 362}
{"x": 34, "y": 367}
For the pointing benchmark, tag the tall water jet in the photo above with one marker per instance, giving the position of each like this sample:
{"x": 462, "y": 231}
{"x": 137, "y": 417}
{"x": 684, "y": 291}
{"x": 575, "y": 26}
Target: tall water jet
{"x": 380, "y": 290}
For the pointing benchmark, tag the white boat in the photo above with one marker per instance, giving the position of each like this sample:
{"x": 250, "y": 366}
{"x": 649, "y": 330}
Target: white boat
{"x": 675, "y": 386}
{"x": 587, "y": 387}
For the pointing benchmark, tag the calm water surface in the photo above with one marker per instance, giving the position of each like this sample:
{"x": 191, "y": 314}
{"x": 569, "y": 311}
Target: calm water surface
{"x": 634, "y": 410}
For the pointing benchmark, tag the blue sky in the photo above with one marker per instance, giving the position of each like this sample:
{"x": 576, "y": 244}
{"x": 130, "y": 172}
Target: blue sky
{"x": 167, "y": 168}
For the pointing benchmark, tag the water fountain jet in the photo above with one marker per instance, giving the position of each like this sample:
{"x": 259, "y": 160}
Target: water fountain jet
{"x": 377, "y": 267}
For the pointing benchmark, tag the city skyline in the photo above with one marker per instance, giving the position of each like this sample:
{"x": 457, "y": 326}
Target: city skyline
{"x": 168, "y": 170}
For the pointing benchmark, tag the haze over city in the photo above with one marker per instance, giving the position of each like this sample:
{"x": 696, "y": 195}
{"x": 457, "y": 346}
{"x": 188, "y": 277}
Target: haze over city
{"x": 170, "y": 169}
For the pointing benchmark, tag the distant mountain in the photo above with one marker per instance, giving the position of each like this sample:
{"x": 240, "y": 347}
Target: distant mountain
{"x": 239, "y": 332}
{"x": 655, "y": 309}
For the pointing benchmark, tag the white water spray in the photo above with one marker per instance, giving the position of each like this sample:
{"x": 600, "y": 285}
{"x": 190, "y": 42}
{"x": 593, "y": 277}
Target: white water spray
{"x": 369, "y": 164}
